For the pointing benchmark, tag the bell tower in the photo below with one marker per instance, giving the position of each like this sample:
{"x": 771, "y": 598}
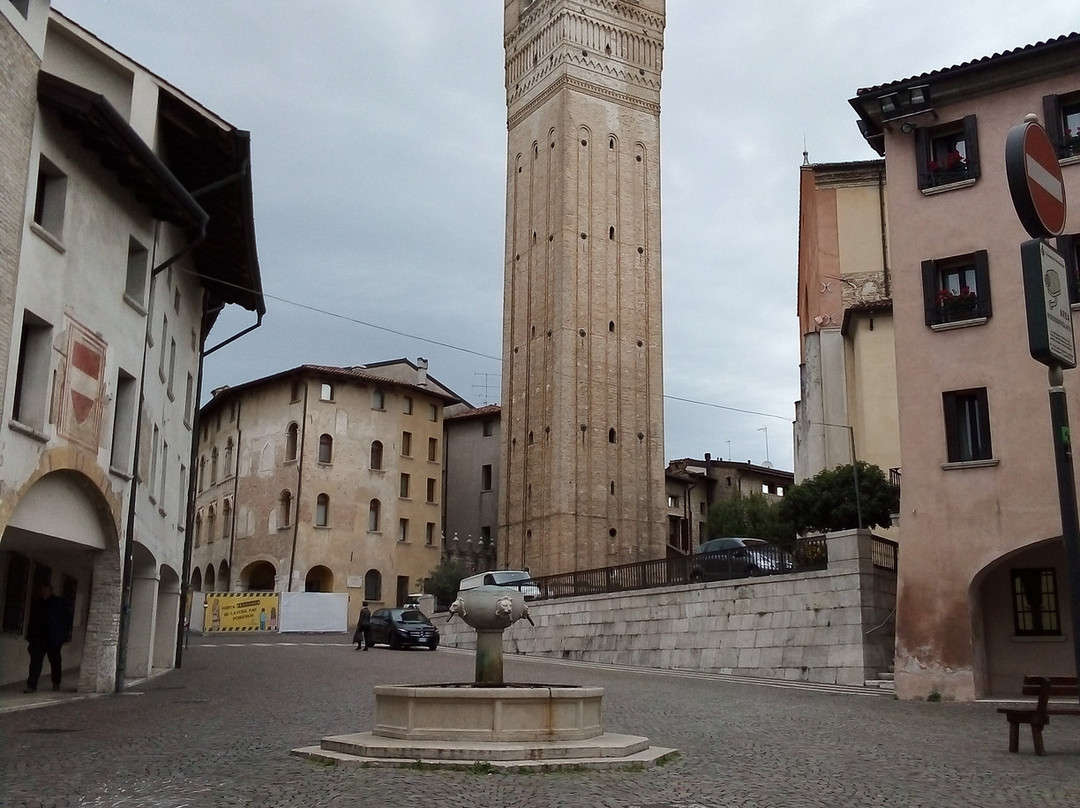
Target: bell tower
{"x": 582, "y": 397}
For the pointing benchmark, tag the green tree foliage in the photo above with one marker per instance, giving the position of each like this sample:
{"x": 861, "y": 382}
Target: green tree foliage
{"x": 826, "y": 502}
{"x": 443, "y": 582}
{"x": 753, "y": 515}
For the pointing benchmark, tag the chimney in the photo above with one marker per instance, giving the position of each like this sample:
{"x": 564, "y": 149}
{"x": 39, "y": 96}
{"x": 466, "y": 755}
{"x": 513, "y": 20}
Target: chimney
{"x": 421, "y": 371}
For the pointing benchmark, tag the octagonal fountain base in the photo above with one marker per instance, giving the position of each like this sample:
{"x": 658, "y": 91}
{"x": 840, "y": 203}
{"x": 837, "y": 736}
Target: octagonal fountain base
{"x": 518, "y": 726}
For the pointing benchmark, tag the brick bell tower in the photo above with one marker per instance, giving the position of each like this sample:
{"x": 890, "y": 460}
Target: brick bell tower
{"x": 582, "y": 414}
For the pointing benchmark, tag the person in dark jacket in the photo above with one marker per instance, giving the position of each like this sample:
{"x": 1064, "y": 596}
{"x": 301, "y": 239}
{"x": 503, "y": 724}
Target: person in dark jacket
{"x": 363, "y": 628}
{"x": 49, "y": 629}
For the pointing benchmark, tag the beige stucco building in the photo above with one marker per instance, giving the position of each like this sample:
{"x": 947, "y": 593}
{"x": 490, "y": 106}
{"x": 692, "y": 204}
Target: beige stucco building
{"x": 983, "y": 590}
{"x": 322, "y": 479}
{"x": 114, "y": 277}
{"x": 582, "y": 397}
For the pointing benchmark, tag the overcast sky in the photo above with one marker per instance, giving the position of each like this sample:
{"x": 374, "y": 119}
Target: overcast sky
{"x": 378, "y": 157}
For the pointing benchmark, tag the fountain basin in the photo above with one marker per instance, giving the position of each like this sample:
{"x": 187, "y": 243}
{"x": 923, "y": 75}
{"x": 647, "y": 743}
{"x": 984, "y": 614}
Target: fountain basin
{"x": 492, "y": 713}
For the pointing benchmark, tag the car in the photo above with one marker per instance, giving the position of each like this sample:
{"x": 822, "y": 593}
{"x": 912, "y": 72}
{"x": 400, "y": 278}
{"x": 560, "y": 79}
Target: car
{"x": 403, "y": 628}
{"x": 520, "y": 580}
{"x": 737, "y": 557}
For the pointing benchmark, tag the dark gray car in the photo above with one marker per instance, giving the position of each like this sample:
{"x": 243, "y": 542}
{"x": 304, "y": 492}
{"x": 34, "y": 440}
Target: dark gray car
{"x": 736, "y": 557}
{"x": 403, "y": 628}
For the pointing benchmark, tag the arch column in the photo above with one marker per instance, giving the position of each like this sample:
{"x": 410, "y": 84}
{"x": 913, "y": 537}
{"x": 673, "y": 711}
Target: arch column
{"x": 144, "y": 601}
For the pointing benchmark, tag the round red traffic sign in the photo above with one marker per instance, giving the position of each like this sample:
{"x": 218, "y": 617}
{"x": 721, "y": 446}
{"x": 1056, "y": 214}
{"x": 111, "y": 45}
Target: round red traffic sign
{"x": 1035, "y": 181}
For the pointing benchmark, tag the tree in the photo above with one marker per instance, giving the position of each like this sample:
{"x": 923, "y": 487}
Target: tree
{"x": 443, "y": 582}
{"x": 826, "y": 502}
{"x": 753, "y": 515}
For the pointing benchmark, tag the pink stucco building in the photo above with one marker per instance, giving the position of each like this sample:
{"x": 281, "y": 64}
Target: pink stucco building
{"x": 983, "y": 589}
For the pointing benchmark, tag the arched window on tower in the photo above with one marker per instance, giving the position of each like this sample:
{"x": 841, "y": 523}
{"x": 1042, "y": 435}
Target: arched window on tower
{"x": 322, "y": 510}
{"x": 373, "y": 515}
{"x": 291, "y": 441}
{"x": 326, "y": 448}
{"x": 285, "y": 509}
{"x": 376, "y": 454}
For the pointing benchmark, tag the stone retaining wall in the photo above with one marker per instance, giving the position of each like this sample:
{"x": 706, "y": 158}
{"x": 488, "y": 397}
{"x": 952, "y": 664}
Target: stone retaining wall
{"x": 830, "y": 626}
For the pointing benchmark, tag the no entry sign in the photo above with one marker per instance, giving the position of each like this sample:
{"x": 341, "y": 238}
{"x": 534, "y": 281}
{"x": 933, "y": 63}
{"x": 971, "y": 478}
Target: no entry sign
{"x": 1035, "y": 182}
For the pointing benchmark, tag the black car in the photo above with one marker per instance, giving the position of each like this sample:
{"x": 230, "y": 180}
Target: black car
{"x": 738, "y": 558}
{"x": 403, "y": 628}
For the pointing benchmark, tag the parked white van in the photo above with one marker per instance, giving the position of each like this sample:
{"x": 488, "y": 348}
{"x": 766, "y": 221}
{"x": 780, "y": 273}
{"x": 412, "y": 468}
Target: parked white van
{"x": 510, "y": 579}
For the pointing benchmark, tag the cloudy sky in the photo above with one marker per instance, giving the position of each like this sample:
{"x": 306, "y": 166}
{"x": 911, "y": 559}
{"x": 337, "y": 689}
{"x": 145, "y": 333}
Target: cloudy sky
{"x": 378, "y": 139}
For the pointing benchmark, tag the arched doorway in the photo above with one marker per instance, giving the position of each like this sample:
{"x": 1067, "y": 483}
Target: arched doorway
{"x": 1021, "y": 615}
{"x": 223, "y": 582}
{"x": 258, "y": 576}
{"x": 62, "y": 531}
{"x": 196, "y": 580}
{"x": 167, "y": 619}
{"x": 211, "y": 585}
{"x": 319, "y": 579}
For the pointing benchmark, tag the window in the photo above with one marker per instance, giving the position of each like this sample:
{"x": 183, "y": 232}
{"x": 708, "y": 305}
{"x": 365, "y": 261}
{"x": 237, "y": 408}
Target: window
{"x": 172, "y": 370}
{"x": 135, "y": 286}
{"x": 51, "y": 198}
{"x": 1069, "y": 247}
{"x": 31, "y": 402}
{"x": 485, "y": 534}
{"x": 322, "y": 510}
{"x": 123, "y": 428}
{"x": 672, "y": 501}
{"x": 611, "y": 436}
{"x": 213, "y": 466}
{"x": 404, "y": 486}
{"x": 431, "y": 483}
{"x": 198, "y": 528}
{"x": 291, "y": 441}
{"x": 164, "y": 344}
{"x": 489, "y": 428}
{"x": 429, "y": 534}
{"x": 326, "y": 392}
{"x": 23, "y": 7}
{"x": 378, "y": 399}
{"x": 373, "y": 515}
{"x": 433, "y": 449}
{"x": 485, "y": 477}
{"x": 967, "y": 425}
{"x": 433, "y": 412}
{"x": 376, "y": 454}
{"x": 226, "y": 519}
{"x": 406, "y": 444}
{"x": 947, "y": 154}
{"x": 956, "y": 289}
{"x": 1061, "y": 114}
{"x": 403, "y": 530}
{"x": 296, "y": 389}
{"x": 1035, "y": 603}
{"x": 285, "y": 509}
{"x": 211, "y": 523}
{"x": 406, "y": 406}
{"x": 229, "y": 458}
{"x": 189, "y": 399}
{"x": 182, "y": 495}
{"x": 164, "y": 470}
{"x": 326, "y": 449}
{"x": 152, "y": 488}
{"x": 372, "y": 586}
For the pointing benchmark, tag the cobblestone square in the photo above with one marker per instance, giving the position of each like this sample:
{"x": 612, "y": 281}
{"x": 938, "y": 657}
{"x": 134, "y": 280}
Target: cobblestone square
{"x": 218, "y": 731}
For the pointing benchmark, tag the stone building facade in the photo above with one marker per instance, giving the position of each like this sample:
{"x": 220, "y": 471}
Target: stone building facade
{"x": 471, "y": 497}
{"x": 120, "y": 273}
{"x": 582, "y": 398}
{"x": 322, "y": 479}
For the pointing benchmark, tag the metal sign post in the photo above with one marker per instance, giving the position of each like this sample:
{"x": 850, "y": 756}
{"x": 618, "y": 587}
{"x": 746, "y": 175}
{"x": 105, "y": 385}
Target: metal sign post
{"x": 1038, "y": 194}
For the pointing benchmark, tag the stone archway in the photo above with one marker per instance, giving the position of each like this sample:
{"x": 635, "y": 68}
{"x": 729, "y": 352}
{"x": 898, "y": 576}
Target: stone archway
{"x": 1021, "y": 618}
{"x": 319, "y": 579}
{"x": 167, "y": 619}
{"x": 223, "y": 581}
{"x": 258, "y": 576}
{"x": 196, "y": 580}
{"x": 62, "y": 528}
{"x": 210, "y": 578}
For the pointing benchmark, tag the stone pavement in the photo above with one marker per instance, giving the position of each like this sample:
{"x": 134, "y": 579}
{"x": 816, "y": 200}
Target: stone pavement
{"x": 218, "y": 732}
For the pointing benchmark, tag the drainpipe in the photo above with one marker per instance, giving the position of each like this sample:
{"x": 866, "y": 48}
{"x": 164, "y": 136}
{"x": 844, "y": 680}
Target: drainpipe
{"x": 124, "y": 627}
{"x": 884, "y": 234}
{"x": 301, "y": 439}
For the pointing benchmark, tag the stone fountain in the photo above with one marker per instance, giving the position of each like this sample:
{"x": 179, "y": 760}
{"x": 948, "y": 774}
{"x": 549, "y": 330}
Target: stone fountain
{"x": 507, "y": 726}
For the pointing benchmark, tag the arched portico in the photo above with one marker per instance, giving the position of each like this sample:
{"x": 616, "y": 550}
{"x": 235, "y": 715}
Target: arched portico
{"x": 258, "y": 576}
{"x": 62, "y": 530}
{"x": 1021, "y": 618}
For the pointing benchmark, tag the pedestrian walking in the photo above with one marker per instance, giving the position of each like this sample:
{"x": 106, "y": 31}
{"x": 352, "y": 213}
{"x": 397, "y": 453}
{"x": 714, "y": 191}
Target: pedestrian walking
{"x": 363, "y": 628}
{"x": 48, "y": 630}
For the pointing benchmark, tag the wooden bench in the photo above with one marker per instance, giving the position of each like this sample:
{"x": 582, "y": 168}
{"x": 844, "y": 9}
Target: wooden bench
{"x": 1039, "y": 716}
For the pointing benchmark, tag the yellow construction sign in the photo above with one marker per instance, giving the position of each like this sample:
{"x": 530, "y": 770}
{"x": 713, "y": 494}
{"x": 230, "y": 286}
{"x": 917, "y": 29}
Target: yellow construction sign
{"x": 241, "y": 611}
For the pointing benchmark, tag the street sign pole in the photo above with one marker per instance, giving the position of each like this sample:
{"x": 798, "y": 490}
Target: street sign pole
{"x": 1066, "y": 481}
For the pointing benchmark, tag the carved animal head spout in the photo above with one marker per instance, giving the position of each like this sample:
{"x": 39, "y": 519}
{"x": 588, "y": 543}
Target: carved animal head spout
{"x": 458, "y": 608}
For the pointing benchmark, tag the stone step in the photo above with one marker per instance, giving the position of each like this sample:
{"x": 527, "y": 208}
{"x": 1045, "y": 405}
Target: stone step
{"x": 881, "y": 683}
{"x": 370, "y": 745}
